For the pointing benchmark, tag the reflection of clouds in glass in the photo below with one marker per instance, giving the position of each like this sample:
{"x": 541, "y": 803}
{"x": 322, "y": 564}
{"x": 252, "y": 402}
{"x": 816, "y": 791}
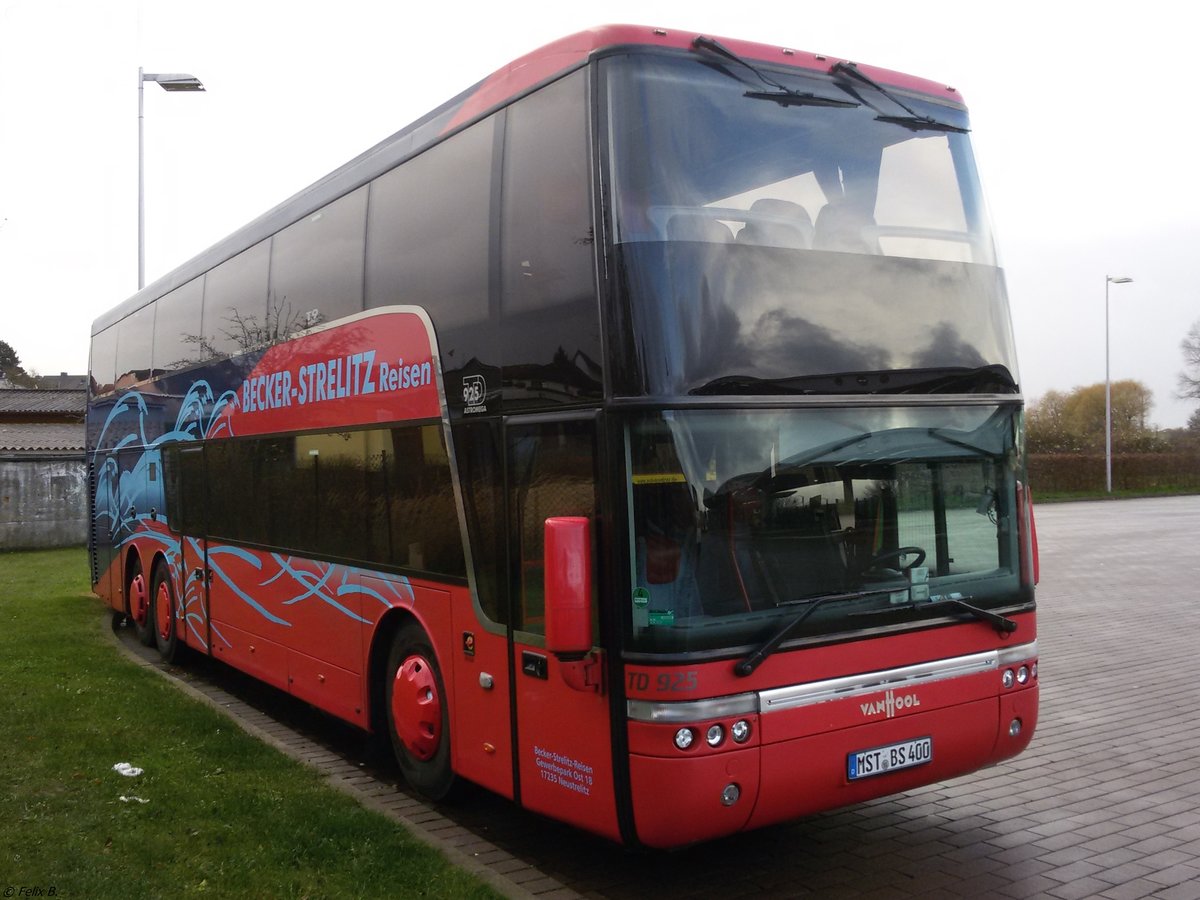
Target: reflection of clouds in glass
{"x": 947, "y": 348}
{"x": 787, "y": 342}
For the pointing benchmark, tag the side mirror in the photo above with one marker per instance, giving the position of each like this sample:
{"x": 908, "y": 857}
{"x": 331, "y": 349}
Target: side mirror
{"x": 568, "y": 548}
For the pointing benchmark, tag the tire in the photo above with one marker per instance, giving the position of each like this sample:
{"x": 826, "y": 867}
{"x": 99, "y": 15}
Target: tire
{"x": 417, "y": 713}
{"x": 137, "y": 600}
{"x": 162, "y": 613}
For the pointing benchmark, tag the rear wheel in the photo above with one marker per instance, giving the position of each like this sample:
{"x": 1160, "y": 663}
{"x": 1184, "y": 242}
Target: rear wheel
{"x": 138, "y": 599}
{"x": 162, "y": 605}
{"x": 417, "y": 714}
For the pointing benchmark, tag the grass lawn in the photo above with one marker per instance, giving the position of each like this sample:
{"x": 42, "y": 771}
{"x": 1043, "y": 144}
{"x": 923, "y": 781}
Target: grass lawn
{"x": 224, "y": 815}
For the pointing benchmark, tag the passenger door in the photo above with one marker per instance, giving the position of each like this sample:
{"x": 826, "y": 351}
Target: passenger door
{"x": 564, "y": 742}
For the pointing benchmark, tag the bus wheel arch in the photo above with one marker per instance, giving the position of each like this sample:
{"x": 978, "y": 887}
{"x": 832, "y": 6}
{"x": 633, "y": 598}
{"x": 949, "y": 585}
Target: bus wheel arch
{"x": 162, "y": 611}
{"x": 137, "y": 597}
{"x": 415, "y": 708}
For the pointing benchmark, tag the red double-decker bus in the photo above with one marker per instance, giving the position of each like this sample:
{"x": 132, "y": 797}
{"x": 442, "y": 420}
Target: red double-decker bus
{"x": 638, "y": 435}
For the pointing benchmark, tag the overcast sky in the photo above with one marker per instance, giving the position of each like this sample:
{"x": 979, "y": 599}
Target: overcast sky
{"x": 1081, "y": 117}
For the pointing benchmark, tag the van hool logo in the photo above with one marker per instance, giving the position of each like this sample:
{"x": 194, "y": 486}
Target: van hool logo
{"x": 891, "y": 704}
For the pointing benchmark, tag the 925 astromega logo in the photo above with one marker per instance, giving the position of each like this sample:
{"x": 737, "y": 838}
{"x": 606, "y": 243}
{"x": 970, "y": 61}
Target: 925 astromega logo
{"x": 474, "y": 394}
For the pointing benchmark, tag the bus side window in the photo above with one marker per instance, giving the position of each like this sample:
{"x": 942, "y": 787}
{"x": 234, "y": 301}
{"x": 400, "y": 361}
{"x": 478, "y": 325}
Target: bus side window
{"x": 236, "y": 317}
{"x": 310, "y": 281}
{"x": 552, "y": 472}
{"x": 177, "y": 337}
{"x": 134, "y": 348}
{"x": 550, "y": 314}
{"x": 477, "y": 453}
{"x": 102, "y": 366}
{"x": 189, "y": 515}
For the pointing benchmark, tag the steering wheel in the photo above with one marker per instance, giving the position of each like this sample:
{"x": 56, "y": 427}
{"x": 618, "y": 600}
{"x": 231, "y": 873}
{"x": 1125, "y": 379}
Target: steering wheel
{"x": 873, "y": 566}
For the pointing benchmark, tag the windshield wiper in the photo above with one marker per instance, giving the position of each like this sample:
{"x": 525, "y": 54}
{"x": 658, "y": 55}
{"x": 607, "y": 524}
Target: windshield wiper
{"x": 992, "y": 379}
{"x": 1001, "y": 623}
{"x": 751, "y": 384}
{"x": 914, "y": 120}
{"x": 755, "y": 659}
{"x": 783, "y": 95}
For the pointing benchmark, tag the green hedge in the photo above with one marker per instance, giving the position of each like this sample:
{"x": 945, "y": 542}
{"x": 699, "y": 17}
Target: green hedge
{"x": 1083, "y": 473}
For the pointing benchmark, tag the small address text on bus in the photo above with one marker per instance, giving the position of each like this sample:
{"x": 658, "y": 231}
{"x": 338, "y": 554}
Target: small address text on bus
{"x": 352, "y": 375}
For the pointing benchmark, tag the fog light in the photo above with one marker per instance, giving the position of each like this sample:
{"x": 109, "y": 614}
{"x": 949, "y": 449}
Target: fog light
{"x": 740, "y": 731}
{"x": 684, "y": 738}
{"x": 730, "y": 795}
{"x": 715, "y": 735}
{"x": 1014, "y": 727}
{"x": 1023, "y": 675}
{"x": 1008, "y": 679}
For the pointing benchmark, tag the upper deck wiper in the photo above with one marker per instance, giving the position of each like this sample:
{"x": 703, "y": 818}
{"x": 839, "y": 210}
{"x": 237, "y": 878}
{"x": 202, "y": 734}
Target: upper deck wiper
{"x": 783, "y": 95}
{"x": 992, "y": 379}
{"x": 755, "y": 659}
{"x": 913, "y": 120}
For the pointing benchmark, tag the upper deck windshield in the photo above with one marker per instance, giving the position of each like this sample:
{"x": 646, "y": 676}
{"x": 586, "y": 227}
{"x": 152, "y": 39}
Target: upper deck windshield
{"x": 744, "y": 519}
{"x": 757, "y": 239}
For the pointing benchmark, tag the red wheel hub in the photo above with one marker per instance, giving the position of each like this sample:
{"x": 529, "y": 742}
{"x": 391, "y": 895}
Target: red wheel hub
{"x": 137, "y": 599}
{"x": 416, "y": 708}
{"x": 162, "y": 610}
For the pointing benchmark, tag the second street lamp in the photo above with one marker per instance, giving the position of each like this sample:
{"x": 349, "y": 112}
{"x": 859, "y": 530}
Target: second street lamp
{"x": 168, "y": 82}
{"x": 1108, "y": 279}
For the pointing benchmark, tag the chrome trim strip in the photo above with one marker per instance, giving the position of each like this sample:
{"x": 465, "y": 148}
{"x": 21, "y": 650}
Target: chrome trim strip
{"x": 801, "y": 695}
{"x": 692, "y": 710}
{"x": 1024, "y": 653}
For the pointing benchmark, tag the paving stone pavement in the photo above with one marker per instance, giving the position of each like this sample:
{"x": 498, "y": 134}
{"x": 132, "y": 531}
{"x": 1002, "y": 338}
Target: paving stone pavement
{"x": 1105, "y": 803}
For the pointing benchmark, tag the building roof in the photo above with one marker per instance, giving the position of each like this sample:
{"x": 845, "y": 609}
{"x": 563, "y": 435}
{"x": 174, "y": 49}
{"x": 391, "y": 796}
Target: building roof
{"x": 26, "y": 402}
{"x": 56, "y": 436}
{"x": 63, "y": 382}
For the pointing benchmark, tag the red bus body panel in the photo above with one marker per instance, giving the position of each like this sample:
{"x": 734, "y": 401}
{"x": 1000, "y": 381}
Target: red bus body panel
{"x": 796, "y": 761}
{"x": 569, "y": 52}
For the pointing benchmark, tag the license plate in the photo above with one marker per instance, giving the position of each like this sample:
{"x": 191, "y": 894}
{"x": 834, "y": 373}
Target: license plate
{"x": 881, "y": 760}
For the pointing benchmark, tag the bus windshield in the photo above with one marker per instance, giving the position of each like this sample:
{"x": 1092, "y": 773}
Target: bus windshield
{"x": 760, "y": 238}
{"x": 885, "y": 516}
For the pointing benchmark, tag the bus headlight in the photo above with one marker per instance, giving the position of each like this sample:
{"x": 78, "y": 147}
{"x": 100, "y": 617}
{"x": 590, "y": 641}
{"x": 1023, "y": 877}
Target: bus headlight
{"x": 684, "y": 738}
{"x": 716, "y": 734}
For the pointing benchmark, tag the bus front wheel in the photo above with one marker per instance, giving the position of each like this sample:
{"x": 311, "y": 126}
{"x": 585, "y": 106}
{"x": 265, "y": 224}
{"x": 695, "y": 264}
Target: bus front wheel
{"x": 417, "y": 714}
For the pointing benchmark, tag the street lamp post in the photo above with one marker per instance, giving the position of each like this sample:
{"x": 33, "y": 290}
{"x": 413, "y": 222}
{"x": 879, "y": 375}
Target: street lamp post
{"x": 168, "y": 82}
{"x": 1108, "y": 279}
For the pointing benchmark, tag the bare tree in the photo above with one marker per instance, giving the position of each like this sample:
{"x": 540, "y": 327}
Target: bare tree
{"x": 1189, "y": 378}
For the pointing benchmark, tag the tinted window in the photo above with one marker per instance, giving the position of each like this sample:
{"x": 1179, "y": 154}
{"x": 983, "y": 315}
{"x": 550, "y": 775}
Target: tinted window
{"x": 235, "y": 304}
{"x": 103, "y": 363}
{"x": 317, "y": 264}
{"x": 183, "y": 481}
{"x": 429, "y": 231}
{"x": 177, "y": 335}
{"x": 552, "y": 473}
{"x": 551, "y": 318}
{"x": 380, "y": 496}
{"x": 234, "y": 496}
{"x": 481, "y": 474}
{"x": 430, "y": 241}
{"x": 135, "y": 347}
